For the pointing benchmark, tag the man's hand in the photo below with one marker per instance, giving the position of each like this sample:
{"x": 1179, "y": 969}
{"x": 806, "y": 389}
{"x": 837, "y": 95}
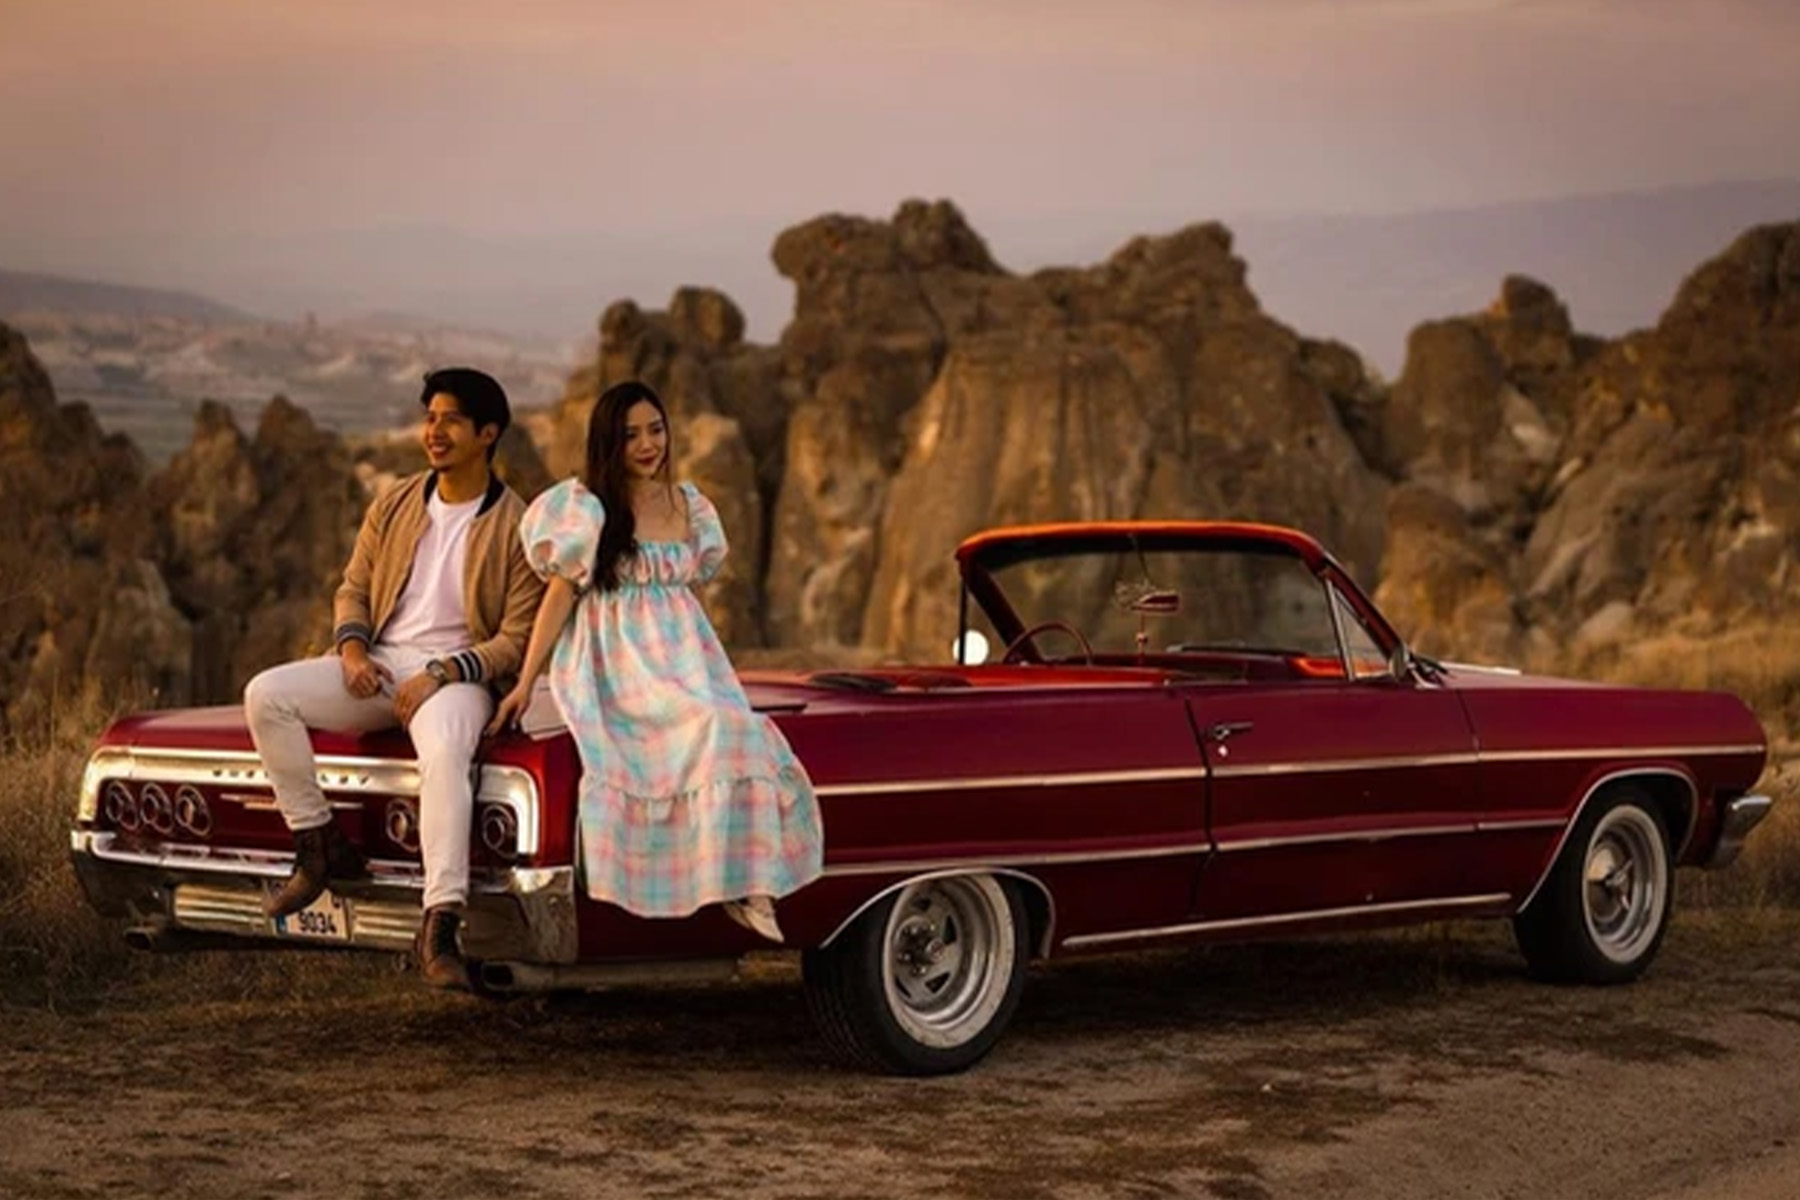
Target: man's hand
{"x": 413, "y": 691}
{"x": 511, "y": 707}
{"x": 362, "y": 674}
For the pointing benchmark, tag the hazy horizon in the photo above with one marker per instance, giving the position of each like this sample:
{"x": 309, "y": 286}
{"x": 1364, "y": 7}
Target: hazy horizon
{"x": 537, "y": 160}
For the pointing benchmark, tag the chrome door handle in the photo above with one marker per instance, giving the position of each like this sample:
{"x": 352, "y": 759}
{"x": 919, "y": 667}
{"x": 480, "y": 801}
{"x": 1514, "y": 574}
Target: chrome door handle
{"x": 1223, "y": 730}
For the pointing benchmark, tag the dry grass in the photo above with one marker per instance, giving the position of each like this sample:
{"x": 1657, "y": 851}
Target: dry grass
{"x": 1767, "y": 875}
{"x": 1760, "y": 664}
{"x": 55, "y": 951}
{"x": 52, "y": 945}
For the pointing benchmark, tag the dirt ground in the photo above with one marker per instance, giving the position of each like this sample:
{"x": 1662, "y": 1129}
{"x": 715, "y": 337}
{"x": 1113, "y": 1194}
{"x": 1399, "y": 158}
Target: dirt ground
{"x": 1413, "y": 1065}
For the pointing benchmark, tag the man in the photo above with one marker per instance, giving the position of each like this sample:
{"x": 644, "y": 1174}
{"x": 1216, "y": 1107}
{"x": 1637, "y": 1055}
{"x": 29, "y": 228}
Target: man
{"x": 434, "y": 611}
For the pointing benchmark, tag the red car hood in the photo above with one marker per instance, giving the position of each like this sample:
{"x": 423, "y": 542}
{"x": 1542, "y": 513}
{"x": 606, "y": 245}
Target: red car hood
{"x": 222, "y": 727}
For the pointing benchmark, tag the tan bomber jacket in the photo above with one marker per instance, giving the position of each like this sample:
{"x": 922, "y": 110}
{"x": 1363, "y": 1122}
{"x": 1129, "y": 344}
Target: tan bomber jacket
{"x": 500, "y": 590}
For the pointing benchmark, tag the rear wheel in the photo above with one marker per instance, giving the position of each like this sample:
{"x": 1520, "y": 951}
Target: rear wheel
{"x": 1602, "y": 912}
{"x": 925, "y": 981}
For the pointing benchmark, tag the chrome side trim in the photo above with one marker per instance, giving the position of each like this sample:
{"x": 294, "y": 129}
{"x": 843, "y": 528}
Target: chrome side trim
{"x": 496, "y": 783}
{"x": 1617, "y": 752}
{"x": 1046, "y": 858}
{"x": 1176, "y": 849}
{"x": 1357, "y": 835}
{"x": 1071, "y": 779}
{"x": 1326, "y": 766}
{"x": 1475, "y": 758}
{"x": 1593, "y": 790}
{"x": 1523, "y": 823}
{"x": 1320, "y": 914}
{"x": 1044, "y": 943}
{"x": 1740, "y": 817}
{"x": 1172, "y": 774}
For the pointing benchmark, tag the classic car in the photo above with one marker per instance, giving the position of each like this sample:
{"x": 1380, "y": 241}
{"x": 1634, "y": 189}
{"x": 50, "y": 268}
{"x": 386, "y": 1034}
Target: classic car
{"x": 1190, "y": 731}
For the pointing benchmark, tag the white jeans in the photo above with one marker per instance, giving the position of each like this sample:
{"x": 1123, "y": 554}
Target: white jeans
{"x": 283, "y": 702}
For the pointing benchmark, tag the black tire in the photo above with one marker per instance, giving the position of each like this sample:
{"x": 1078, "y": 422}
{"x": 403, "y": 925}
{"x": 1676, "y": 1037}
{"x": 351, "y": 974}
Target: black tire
{"x": 926, "y": 980}
{"x": 1604, "y": 909}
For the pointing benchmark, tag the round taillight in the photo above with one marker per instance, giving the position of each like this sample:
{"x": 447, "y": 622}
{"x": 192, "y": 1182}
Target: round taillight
{"x": 191, "y": 812}
{"x": 403, "y": 824}
{"x": 500, "y": 830}
{"x": 159, "y": 814}
{"x": 121, "y": 807}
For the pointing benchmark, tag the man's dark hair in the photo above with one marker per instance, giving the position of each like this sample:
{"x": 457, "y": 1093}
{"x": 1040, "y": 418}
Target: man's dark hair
{"x": 478, "y": 394}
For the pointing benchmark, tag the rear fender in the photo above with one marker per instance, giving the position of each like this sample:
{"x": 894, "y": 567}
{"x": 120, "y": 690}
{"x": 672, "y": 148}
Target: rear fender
{"x": 1040, "y": 906}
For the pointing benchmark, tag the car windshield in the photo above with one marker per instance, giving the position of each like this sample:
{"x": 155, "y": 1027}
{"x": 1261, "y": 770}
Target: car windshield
{"x": 1186, "y": 600}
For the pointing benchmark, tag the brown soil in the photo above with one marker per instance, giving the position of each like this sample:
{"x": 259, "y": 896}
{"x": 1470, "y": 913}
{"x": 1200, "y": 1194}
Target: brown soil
{"x": 1415, "y": 1065}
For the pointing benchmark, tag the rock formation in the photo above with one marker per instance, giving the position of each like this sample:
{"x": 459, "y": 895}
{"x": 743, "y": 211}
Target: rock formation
{"x": 77, "y": 600}
{"x": 922, "y": 392}
{"x": 251, "y": 532}
{"x": 1521, "y": 493}
{"x": 1567, "y": 495}
{"x": 1152, "y": 385}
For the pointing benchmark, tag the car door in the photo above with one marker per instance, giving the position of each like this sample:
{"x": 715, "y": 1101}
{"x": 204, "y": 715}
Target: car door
{"x": 1337, "y": 789}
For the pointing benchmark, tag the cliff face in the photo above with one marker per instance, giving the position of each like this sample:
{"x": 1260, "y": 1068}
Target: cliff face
{"x": 1565, "y": 492}
{"x": 921, "y": 393}
{"x": 1520, "y": 493}
{"x": 79, "y": 599}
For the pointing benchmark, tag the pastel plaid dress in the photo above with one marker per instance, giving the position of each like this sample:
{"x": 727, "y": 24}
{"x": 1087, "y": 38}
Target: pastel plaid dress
{"x": 688, "y": 796}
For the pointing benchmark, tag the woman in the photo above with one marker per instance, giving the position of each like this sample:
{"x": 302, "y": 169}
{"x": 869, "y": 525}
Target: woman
{"x": 688, "y": 796}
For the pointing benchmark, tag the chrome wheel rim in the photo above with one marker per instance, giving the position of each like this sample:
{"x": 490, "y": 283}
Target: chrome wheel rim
{"x": 1624, "y": 884}
{"x": 947, "y": 957}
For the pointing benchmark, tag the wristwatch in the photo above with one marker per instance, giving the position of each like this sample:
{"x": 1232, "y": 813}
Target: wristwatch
{"x": 438, "y": 671}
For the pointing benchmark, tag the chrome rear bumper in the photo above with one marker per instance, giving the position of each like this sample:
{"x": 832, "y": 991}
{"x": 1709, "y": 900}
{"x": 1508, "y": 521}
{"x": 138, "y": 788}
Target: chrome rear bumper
{"x": 525, "y": 914}
{"x": 1740, "y": 817}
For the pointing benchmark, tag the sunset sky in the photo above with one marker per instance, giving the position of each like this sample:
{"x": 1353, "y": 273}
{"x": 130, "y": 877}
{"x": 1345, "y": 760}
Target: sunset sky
{"x": 373, "y": 154}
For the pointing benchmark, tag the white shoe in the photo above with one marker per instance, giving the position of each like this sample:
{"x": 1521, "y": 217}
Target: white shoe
{"x": 756, "y": 914}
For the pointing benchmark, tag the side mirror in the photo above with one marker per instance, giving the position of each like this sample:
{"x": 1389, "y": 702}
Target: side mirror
{"x": 971, "y": 649}
{"x": 1400, "y": 662}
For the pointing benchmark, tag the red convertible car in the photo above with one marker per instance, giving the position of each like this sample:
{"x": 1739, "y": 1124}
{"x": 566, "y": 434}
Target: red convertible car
{"x": 1192, "y": 730}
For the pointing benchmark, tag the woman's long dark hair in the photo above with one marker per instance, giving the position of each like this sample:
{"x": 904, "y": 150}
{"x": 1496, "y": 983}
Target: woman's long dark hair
{"x": 607, "y": 476}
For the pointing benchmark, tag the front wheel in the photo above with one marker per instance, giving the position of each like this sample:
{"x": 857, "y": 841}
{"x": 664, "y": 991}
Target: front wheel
{"x": 1602, "y": 912}
{"x": 925, "y": 981}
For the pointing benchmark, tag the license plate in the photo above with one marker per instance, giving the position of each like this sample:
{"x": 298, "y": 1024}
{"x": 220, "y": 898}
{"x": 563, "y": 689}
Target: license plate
{"x": 326, "y": 919}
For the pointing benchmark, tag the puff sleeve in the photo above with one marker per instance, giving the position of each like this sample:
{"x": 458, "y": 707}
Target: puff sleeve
{"x": 708, "y": 535}
{"x": 561, "y": 532}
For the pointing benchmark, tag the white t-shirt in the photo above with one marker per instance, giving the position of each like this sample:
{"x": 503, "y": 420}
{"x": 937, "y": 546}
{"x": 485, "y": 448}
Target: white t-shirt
{"x": 429, "y": 618}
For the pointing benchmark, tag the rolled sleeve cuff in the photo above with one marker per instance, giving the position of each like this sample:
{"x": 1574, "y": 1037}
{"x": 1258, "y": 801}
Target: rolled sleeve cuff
{"x": 353, "y": 631}
{"x": 468, "y": 665}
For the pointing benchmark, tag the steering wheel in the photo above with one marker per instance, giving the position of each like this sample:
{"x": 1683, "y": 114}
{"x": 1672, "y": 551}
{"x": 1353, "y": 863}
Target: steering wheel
{"x": 1013, "y": 647}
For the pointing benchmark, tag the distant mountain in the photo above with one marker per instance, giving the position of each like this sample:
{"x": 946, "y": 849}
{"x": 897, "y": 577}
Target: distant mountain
{"x": 1364, "y": 280}
{"x": 146, "y": 374}
{"x": 1615, "y": 259}
{"x": 29, "y": 292}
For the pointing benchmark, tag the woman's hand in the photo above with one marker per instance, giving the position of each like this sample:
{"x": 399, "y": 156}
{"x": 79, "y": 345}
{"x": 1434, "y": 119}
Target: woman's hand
{"x": 512, "y": 706}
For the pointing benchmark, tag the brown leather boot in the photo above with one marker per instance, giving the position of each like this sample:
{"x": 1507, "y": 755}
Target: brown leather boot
{"x": 320, "y": 855}
{"x": 441, "y": 962}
